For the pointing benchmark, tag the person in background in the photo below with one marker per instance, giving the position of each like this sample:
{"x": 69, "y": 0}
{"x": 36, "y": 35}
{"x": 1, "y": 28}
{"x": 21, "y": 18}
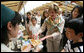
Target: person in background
{"x": 76, "y": 13}
{"x": 28, "y": 17}
{"x": 34, "y": 28}
{"x": 10, "y": 21}
{"x": 74, "y": 33}
{"x": 54, "y": 25}
{"x": 28, "y": 22}
{"x": 45, "y": 15}
{"x": 34, "y": 14}
{"x": 38, "y": 17}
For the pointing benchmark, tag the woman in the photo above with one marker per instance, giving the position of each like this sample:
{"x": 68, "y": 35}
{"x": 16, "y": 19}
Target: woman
{"x": 76, "y": 13}
{"x": 10, "y": 21}
{"x": 28, "y": 22}
{"x": 28, "y": 17}
{"x": 54, "y": 25}
{"x": 45, "y": 15}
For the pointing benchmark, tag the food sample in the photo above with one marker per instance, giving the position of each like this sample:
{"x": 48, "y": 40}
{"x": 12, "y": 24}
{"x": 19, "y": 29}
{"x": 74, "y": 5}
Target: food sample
{"x": 24, "y": 47}
{"x": 35, "y": 42}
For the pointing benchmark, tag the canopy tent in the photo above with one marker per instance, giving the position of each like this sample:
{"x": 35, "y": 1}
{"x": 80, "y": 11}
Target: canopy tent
{"x": 39, "y": 5}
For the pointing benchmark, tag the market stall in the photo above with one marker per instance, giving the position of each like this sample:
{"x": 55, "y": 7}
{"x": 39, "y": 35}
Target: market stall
{"x": 24, "y": 40}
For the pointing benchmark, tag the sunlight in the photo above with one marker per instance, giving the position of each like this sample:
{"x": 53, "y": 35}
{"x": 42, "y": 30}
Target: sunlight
{"x": 30, "y": 5}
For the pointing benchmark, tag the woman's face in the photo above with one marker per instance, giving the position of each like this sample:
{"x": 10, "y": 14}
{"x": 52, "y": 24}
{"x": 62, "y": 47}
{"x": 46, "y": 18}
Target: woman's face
{"x": 29, "y": 16}
{"x": 46, "y": 14}
{"x": 75, "y": 13}
{"x": 13, "y": 31}
{"x": 38, "y": 13}
{"x": 52, "y": 13}
{"x": 34, "y": 22}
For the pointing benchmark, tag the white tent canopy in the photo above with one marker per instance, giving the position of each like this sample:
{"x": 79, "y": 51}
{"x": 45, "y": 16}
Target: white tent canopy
{"x": 30, "y": 5}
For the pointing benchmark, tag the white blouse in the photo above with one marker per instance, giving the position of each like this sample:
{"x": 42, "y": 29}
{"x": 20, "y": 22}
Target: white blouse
{"x": 4, "y": 48}
{"x": 34, "y": 29}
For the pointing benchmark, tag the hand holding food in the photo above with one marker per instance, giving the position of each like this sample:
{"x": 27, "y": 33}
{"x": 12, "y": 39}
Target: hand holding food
{"x": 45, "y": 37}
{"x": 35, "y": 42}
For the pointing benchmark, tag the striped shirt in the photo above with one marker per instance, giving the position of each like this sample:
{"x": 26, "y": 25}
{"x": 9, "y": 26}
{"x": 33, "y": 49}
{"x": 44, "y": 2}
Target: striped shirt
{"x": 77, "y": 47}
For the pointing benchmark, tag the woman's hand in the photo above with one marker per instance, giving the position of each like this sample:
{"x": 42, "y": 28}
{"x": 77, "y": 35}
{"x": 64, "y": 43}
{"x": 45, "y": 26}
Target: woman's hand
{"x": 48, "y": 36}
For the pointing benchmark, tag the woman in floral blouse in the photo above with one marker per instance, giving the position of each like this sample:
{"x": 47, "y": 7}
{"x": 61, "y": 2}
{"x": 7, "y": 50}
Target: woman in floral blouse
{"x": 54, "y": 24}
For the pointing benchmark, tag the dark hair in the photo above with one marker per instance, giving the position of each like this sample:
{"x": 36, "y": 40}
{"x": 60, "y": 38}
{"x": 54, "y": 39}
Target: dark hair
{"x": 44, "y": 14}
{"x": 33, "y": 18}
{"x": 35, "y": 13}
{"x": 76, "y": 25}
{"x": 4, "y": 30}
{"x": 80, "y": 9}
{"x": 28, "y": 13}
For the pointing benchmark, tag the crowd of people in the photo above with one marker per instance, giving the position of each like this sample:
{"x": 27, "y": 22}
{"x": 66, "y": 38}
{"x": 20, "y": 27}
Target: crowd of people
{"x": 59, "y": 34}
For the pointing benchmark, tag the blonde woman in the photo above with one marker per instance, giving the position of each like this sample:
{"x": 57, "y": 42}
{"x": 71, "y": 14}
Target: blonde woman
{"x": 54, "y": 24}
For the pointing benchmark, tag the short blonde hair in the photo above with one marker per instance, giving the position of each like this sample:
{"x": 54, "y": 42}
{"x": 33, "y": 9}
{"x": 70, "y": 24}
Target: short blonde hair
{"x": 53, "y": 7}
